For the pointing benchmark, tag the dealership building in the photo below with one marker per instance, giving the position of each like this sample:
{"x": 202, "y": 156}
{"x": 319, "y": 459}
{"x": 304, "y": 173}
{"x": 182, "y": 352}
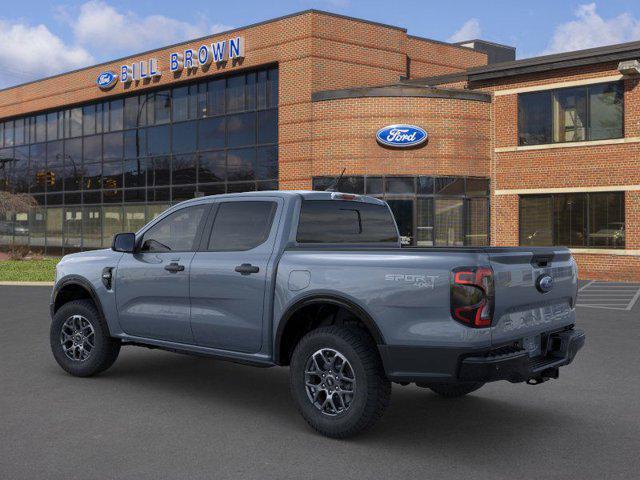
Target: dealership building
{"x": 541, "y": 151}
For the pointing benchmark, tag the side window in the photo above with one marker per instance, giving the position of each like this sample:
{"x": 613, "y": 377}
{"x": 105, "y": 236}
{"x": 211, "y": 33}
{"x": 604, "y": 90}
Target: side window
{"x": 241, "y": 225}
{"x": 177, "y": 232}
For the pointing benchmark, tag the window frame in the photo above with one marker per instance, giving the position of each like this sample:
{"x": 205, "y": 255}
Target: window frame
{"x": 552, "y": 92}
{"x": 587, "y": 219}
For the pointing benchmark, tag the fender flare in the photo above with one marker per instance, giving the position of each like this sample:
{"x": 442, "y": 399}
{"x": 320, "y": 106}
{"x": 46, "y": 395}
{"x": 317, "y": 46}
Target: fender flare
{"x": 81, "y": 282}
{"x": 330, "y": 299}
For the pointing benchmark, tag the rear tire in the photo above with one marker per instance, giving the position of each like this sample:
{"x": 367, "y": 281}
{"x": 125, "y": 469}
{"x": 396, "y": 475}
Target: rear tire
{"x": 453, "y": 390}
{"x": 354, "y": 381}
{"x": 80, "y": 340}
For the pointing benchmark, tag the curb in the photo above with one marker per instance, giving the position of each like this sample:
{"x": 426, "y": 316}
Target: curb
{"x": 27, "y": 284}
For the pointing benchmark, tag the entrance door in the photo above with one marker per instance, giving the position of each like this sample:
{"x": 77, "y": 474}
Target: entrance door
{"x": 403, "y": 212}
{"x": 152, "y": 285}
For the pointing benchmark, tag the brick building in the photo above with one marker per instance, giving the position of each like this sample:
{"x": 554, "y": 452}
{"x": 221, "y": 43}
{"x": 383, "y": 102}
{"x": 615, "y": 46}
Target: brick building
{"x": 541, "y": 151}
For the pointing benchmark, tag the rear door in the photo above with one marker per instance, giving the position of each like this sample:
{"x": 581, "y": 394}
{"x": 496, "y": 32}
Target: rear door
{"x": 152, "y": 285}
{"x": 229, "y": 274}
{"x": 523, "y": 307}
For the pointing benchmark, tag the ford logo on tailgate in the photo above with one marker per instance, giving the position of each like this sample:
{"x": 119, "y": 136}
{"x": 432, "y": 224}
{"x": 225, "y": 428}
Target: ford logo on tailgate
{"x": 401, "y": 136}
{"x": 106, "y": 80}
{"x": 544, "y": 283}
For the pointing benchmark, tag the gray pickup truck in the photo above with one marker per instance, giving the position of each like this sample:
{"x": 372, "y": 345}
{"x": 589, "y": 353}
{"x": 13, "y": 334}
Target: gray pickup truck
{"x": 318, "y": 281}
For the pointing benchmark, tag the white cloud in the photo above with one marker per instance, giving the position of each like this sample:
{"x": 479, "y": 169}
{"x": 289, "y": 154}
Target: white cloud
{"x": 29, "y": 52}
{"x": 469, "y": 31}
{"x": 591, "y": 30}
{"x": 107, "y": 31}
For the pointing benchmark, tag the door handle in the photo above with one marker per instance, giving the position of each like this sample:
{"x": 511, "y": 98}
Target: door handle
{"x": 174, "y": 268}
{"x": 247, "y": 269}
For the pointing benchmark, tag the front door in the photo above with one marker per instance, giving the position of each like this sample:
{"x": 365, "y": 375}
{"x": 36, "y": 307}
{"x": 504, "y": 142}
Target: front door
{"x": 152, "y": 285}
{"x": 228, "y": 280}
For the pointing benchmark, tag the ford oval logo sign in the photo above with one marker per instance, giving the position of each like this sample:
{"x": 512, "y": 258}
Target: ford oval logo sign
{"x": 401, "y": 136}
{"x": 106, "y": 80}
{"x": 544, "y": 283}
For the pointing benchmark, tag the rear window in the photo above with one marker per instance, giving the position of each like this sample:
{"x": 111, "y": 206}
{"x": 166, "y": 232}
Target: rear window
{"x": 338, "y": 221}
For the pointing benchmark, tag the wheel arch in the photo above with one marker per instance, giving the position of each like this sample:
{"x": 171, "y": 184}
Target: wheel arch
{"x": 288, "y": 318}
{"x": 74, "y": 287}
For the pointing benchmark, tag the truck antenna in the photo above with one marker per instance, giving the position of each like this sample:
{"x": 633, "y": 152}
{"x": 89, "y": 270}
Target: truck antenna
{"x": 336, "y": 183}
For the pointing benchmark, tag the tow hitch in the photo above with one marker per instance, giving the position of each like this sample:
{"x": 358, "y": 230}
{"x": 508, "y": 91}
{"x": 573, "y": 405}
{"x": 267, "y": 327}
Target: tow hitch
{"x": 544, "y": 376}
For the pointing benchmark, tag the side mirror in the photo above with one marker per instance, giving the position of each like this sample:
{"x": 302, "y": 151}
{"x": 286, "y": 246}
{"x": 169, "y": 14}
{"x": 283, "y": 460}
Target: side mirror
{"x": 124, "y": 242}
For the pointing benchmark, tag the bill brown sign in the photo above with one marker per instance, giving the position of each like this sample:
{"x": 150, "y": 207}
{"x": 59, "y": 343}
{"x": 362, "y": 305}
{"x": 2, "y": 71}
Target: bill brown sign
{"x": 189, "y": 59}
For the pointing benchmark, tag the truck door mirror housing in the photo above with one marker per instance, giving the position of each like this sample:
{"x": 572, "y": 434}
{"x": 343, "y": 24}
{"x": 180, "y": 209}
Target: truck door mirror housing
{"x": 124, "y": 242}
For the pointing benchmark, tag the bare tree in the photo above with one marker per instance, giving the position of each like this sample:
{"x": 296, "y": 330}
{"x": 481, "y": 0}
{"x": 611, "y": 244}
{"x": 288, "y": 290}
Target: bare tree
{"x": 15, "y": 202}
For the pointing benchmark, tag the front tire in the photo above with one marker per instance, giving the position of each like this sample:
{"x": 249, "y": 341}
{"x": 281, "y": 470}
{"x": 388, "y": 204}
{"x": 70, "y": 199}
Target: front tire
{"x": 337, "y": 381}
{"x": 80, "y": 340}
{"x": 453, "y": 390}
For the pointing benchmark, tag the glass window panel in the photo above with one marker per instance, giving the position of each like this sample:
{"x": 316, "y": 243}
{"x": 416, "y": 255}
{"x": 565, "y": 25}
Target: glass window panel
{"x": 154, "y": 211}
{"x": 268, "y": 126}
{"x": 75, "y": 122}
{"x": 449, "y": 222}
{"x": 158, "y": 195}
{"x": 273, "y": 87}
{"x": 135, "y": 195}
{"x": 112, "y": 146}
{"x": 534, "y": 118}
{"x": 6, "y": 167}
{"x": 1, "y": 134}
{"x": 111, "y": 176}
{"x": 241, "y": 225}
{"x": 37, "y": 167}
{"x": 116, "y": 115}
{"x": 112, "y": 196}
{"x": 424, "y": 227}
{"x": 89, "y": 124}
{"x": 403, "y": 214}
{"x": 425, "y": 185}
{"x": 261, "y": 89}
{"x": 449, "y": 186}
{"x": 241, "y": 129}
{"x": 92, "y": 176}
{"x": 6, "y": 229}
{"x": 54, "y": 227}
{"x": 92, "y": 149}
{"x": 241, "y": 164}
{"x": 193, "y": 101}
{"x": 184, "y": 169}
{"x": 134, "y": 173}
{"x": 211, "y": 133}
{"x": 374, "y": 186}
{"x": 183, "y": 137}
{"x": 72, "y": 198}
{"x": 55, "y": 167}
{"x": 477, "y": 187}
{"x": 606, "y": 220}
{"x": 134, "y": 218}
{"x": 183, "y": 193}
{"x": 73, "y": 227}
{"x": 19, "y": 132}
{"x": 211, "y": 167}
{"x": 162, "y": 109}
{"x": 235, "y": 93}
{"x": 477, "y": 234}
{"x": 158, "y": 140}
{"x": 400, "y": 185}
{"x": 570, "y": 217}
{"x": 54, "y": 199}
{"x": 267, "y": 163}
{"x": 101, "y": 112}
{"x": 250, "y": 91}
{"x": 41, "y": 128}
{"x": 92, "y": 227}
{"x": 8, "y": 134}
{"x": 72, "y": 172}
{"x": 180, "y": 104}
{"x": 20, "y": 228}
{"x": 606, "y": 111}
{"x": 201, "y": 103}
{"x": 21, "y": 169}
{"x": 135, "y": 143}
{"x": 158, "y": 171}
{"x": 351, "y": 185}
{"x": 321, "y": 183}
{"x": 215, "y": 97}
{"x": 37, "y": 226}
{"x": 264, "y": 186}
{"x": 175, "y": 232}
{"x": 92, "y": 197}
{"x": 112, "y": 224}
{"x": 239, "y": 187}
{"x": 212, "y": 188}
{"x": 570, "y": 115}
{"x": 536, "y": 220}
{"x": 130, "y": 115}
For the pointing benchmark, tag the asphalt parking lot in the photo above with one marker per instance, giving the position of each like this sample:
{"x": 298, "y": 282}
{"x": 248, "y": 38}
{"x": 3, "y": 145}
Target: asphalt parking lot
{"x": 162, "y": 415}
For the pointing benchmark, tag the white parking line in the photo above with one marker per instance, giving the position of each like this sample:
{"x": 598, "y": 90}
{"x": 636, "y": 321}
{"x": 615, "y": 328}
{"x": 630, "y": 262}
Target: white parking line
{"x": 609, "y": 296}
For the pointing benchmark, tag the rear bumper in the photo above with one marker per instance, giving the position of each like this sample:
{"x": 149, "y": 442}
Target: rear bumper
{"x": 424, "y": 365}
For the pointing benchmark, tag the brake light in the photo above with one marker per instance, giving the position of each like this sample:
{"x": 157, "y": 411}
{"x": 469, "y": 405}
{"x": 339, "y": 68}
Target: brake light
{"x": 472, "y": 296}
{"x": 344, "y": 196}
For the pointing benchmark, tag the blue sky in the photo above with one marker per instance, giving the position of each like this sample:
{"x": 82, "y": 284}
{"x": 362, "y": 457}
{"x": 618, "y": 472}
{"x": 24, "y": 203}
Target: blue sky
{"x": 71, "y": 34}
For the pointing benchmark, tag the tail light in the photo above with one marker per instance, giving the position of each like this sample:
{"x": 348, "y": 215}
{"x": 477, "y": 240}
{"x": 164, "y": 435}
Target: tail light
{"x": 472, "y": 296}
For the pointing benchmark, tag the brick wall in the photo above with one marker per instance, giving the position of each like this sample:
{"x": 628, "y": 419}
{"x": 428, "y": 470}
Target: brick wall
{"x": 429, "y": 58}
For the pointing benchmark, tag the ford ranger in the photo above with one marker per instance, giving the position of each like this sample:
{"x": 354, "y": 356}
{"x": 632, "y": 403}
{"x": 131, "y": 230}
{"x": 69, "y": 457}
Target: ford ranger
{"x": 318, "y": 281}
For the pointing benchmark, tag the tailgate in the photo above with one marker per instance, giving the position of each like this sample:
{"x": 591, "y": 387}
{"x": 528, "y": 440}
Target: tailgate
{"x": 527, "y": 303}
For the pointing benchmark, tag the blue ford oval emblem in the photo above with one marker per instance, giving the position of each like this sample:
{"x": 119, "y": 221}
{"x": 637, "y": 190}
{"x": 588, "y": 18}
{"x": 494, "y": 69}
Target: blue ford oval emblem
{"x": 401, "y": 136}
{"x": 544, "y": 283}
{"x": 106, "y": 80}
